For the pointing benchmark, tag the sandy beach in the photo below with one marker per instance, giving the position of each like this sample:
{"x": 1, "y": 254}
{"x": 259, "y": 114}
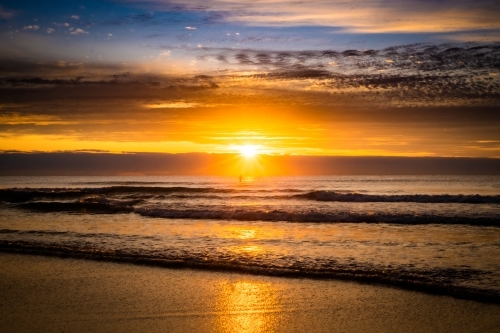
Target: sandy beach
{"x": 45, "y": 294}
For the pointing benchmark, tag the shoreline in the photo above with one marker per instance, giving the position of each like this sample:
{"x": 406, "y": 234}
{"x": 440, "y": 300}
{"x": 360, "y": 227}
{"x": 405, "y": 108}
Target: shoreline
{"x": 477, "y": 295}
{"x": 42, "y": 293}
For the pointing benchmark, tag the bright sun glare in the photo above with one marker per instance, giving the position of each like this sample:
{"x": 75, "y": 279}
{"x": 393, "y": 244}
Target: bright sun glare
{"x": 248, "y": 150}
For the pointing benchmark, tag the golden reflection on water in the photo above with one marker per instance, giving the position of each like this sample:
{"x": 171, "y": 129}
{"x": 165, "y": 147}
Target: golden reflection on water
{"x": 247, "y": 307}
{"x": 245, "y": 233}
{"x": 248, "y": 249}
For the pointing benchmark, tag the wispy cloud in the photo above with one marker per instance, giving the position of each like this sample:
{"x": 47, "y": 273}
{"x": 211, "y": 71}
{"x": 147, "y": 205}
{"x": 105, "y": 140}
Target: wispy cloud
{"x": 359, "y": 16}
{"x": 79, "y": 32}
{"x": 420, "y": 74}
{"x": 165, "y": 53}
{"x": 26, "y": 119}
{"x": 173, "y": 105}
{"x": 31, "y": 27}
{"x": 413, "y": 59}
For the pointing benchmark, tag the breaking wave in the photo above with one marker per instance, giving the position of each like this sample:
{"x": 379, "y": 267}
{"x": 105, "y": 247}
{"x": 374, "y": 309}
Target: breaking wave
{"x": 106, "y": 206}
{"x": 24, "y": 195}
{"x": 438, "y": 281}
{"x": 421, "y": 198}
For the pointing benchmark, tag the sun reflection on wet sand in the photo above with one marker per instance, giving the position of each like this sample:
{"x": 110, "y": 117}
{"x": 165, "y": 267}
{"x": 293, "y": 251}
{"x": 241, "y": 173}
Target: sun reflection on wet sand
{"x": 247, "y": 307}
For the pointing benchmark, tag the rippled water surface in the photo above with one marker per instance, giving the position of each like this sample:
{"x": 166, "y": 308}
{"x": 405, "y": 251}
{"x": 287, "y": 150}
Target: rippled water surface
{"x": 436, "y": 232}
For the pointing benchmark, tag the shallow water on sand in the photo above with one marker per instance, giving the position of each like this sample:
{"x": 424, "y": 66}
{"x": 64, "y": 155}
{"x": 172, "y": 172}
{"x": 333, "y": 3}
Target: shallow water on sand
{"x": 51, "y": 295}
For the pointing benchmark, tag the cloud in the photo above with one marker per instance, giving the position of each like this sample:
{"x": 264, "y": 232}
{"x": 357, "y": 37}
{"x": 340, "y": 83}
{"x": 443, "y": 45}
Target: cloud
{"x": 79, "y": 32}
{"x": 23, "y": 74}
{"x": 25, "y": 119}
{"x": 359, "y": 16}
{"x": 190, "y": 28}
{"x": 426, "y": 73}
{"x": 61, "y": 24}
{"x": 5, "y": 14}
{"x": 31, "y": 27}
{"x": 50, "y": 30}
{"x": 99, "y": 162}
{"x": 75, "y": 17}
{"x": 413, "y": 59}
{"x": 406, "y": 75}
{"x": 196, "y": 107}
{"x": 173, "y": 105}
{"x": 15, "y": 68}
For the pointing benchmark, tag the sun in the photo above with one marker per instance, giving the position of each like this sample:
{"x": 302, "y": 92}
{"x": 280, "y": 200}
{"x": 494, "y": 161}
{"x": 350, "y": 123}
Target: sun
{"x": 248, "y": 150}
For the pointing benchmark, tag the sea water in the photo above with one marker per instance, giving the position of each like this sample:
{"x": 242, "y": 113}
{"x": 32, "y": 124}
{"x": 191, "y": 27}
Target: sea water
{"x": 431, "y": 233}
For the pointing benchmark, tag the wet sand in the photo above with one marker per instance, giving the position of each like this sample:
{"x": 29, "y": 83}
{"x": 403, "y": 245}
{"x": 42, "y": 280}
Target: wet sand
{"x": 44, "y": 294}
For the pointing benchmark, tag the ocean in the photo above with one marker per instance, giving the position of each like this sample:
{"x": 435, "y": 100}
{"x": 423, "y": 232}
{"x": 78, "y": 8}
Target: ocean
{"x": 438, "y": 234}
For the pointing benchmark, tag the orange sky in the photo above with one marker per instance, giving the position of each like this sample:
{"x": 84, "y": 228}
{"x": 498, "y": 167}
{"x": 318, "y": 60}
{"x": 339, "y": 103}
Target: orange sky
{"x": 325, "y": 78}
{"x": 220, "y": 122}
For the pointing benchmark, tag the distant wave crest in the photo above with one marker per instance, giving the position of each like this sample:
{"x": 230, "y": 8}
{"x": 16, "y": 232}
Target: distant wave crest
{"x": 106, "y": 206}
{"x": 420, "y": 198}
{"x": 24, "y": 195}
